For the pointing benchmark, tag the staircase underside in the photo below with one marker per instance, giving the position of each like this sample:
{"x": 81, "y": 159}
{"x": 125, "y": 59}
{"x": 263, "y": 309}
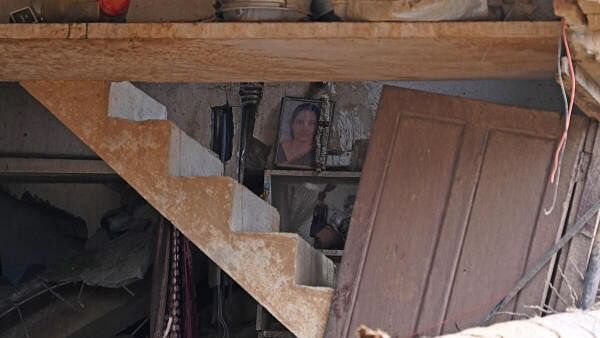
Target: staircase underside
{"x": 231, "y": 225}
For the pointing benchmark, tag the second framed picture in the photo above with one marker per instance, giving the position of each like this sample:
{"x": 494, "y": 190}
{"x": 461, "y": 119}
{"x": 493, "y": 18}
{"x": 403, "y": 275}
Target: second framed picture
{"x": 303, "y": 133}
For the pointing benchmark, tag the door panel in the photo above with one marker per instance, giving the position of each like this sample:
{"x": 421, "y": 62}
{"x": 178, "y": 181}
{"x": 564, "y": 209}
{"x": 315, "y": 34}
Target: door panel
{"x": 449, "y": 213}
{"x": 507, "y": 202}
{"x": 423, "y": 147}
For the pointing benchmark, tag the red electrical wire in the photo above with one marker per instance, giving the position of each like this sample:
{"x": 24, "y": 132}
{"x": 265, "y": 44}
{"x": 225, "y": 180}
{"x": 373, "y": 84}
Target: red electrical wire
{"x": 563, "y": 139}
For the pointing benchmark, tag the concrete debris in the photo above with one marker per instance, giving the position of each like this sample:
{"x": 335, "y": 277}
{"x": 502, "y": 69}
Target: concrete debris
{"x": 31, "y": 223}
{"x": 576, "y": 324}
{"x": 94, "y": 313}
{"x": 119, "y": 263}
{"x": 135, "y": 218}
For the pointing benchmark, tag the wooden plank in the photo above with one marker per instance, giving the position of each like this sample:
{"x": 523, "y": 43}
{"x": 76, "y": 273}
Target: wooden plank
{"x": 573, "y": 260}
{"x": 592, "y": 276}
{"x": 278, "y": 334}
{"x": 589, "y": 6}
{"x": 236, "y": 52}
{"x": 587, "y": 93}
{"x": 369, "y": 194}
{"x": 456, "y": 202}
{"x": 332, "y": 253}
{"x": 15, "y": 166}
{"x": 570, "y": 11}
{"x": 594, "y": 22}
{"x": 305, "y": 173}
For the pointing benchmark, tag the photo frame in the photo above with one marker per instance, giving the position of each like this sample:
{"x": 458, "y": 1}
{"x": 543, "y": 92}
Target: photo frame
{"x": 303, "y": 133}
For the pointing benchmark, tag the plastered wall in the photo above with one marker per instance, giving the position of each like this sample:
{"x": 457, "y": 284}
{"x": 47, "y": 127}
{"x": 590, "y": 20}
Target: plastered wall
{"x": 28, "y": 130}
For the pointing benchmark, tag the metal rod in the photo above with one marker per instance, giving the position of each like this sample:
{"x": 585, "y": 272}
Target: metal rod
{"x": 140, "y": 326}
{"x": 250, "y": 96}
{"x": 22, "y": 321}
{"x": 591, "y": 280}
{"x": 19, "y": 303}
{"x": 58, "y": 296}
{"x": 571, "y": 232}
{"x": 128, "y": 290}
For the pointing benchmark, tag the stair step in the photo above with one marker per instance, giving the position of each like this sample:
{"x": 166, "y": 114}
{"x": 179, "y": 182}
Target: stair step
{"x": 313, "y": 268}
{"x": 308, "y": 267}
{"x": 126, "y": 101}
{"x": 187, "y": 157}
{"x": 222, "y": 218}
{"x": 251, "y": 213}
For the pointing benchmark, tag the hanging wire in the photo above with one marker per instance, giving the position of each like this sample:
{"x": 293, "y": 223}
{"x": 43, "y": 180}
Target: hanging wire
{"x": 560, "y": 149}
{"x": 548, "y": 211}
{"x": 220, "y": 317}
{"x": 563, "y": 139}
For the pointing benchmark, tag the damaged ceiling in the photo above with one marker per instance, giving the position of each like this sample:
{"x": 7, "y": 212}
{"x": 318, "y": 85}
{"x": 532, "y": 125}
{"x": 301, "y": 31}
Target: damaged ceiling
{"x": 583, "y": 20}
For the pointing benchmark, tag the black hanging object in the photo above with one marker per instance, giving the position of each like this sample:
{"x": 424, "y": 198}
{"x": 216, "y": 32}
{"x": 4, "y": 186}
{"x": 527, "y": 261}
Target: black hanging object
{"x": 222, "y": 135}
{"x": 250, "y": 96}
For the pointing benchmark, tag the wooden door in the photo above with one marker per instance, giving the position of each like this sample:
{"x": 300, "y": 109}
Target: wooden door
{"x": 450, "y": 214}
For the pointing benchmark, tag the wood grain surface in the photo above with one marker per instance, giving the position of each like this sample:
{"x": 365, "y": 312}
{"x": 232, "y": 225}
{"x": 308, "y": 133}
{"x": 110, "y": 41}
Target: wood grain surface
{"x": 234, "y": 52}
{"x": 450, "y": 214}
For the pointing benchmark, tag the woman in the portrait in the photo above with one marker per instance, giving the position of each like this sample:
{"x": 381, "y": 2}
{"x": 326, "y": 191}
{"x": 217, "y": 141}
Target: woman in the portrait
{"x": 299, "y": 150}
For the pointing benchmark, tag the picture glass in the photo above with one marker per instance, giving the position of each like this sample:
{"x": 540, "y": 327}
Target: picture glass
{"x": 296, "y": 146}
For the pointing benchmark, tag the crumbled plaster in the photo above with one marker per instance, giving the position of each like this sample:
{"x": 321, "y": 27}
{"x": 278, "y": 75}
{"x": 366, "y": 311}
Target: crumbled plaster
{"x": 189, "y": 107}
{"x": 26, "y": 123}
{"x": 354, "y": 112}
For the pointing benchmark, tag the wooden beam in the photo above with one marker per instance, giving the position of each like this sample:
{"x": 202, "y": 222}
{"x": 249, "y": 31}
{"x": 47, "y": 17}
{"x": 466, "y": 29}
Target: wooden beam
{"x": 15, "y": 167}
{"x": 234, "y": 52}
{"x": 592, "y": 276}
{"x": 589, "y": 6}
{"x": 571, "y": 12}
{"x": 593, "y": 22}
{"x": 587, "y": 92}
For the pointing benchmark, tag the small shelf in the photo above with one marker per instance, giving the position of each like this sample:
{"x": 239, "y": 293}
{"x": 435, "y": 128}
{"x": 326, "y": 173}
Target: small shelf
{"x": 67, "y": 170}
{"x": 278, "y": 176}
{"x": 277, "y": 334}
{"x": 332, "y": 253}
{"x": 310, "y": 173}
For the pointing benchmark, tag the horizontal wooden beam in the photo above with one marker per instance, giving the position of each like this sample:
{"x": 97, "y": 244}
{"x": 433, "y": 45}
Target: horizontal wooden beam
{"x": 27, "y": 168}
{"x": 234, "y": 52}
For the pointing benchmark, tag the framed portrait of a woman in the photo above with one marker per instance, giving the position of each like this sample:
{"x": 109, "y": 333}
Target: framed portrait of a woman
{"x": 303, "y": 125}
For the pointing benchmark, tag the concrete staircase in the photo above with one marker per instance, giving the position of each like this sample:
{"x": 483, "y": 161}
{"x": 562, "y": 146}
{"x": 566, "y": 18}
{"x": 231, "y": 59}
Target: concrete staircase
{"x": 183, "y": 181}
